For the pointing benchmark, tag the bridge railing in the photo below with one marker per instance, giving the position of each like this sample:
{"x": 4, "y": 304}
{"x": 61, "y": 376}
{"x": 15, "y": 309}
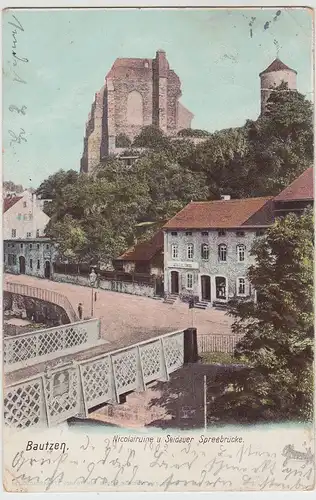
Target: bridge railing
{"x": 38, "y": 345}
{"x": 225, "y": 343}
{"x": 42, "y": 294}
{"x": 71, "y": 390}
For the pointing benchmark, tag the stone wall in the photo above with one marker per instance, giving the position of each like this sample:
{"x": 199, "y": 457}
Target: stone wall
{"x": 114, "y": 286}
{"x": 37, "y": 310}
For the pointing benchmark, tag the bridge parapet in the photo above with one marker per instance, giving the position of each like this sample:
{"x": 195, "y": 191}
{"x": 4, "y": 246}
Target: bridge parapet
{"x": 42, "y": 294}
{"x": 71, "y": 390}
{"x": 36, "y": 346}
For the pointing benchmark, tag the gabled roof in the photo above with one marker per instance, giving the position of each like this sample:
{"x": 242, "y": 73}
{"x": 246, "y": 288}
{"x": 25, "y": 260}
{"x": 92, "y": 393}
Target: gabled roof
{"x": 300, "y": 190}
{"x": 223, "y": 214}
{"x": 145, "y": 250}
{"x": 277, "y": 65}
{"x": 9, "y": 202}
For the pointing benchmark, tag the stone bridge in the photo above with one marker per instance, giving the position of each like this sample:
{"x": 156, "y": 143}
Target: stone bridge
{"x": 54, "y": 374}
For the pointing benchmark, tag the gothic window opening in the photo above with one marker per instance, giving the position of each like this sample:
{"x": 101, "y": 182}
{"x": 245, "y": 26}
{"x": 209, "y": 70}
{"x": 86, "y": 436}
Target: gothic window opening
{"x": 135, "y": 108}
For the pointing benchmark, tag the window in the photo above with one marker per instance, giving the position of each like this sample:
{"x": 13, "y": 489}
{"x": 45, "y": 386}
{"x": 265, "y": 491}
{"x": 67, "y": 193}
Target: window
{"x": 38, "y": 264}
{"x": 13, "y": 233}
{"x": 19, "y": 216}
{"x": 189, "y": 281}
{"x": 30, "y": 216}
{"x": 188, "y": 233}
{"x": 221, "y": 232}
{"x": 31, "y": 264}
{"x": 31, "y": 246}
{"x": 29, "y": 235}
{"x": 37, "y": 246}
{"x": 190, "y": 251}
{"x": 11, "y": 259}
{"x": 37, "y": 233}
{"x": 241, "y": 286}
{"x": 204, "y": 233}
{"x": 21, "y": 245}
{"x": 240, "y": 233}
{"x": 260, "y": 232}
{"x": 220, "y": 283}
{"x": 25, "y": 216}
{"x": 174, "y": 251}
{"x": 222, "y": 253}
{"x": 241, "y": 250}
{"x": 47, "y": 247}
{"x": 24, "y": 204}
{"x": 174, "y": 233}
{"x": 205, "y": 251}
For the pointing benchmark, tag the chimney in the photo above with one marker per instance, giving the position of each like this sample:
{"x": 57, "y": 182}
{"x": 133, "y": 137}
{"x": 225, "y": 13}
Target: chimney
{"x": 225, "y": 197}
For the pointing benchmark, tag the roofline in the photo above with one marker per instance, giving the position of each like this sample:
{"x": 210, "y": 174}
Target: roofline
{"x": 288, "y": 200}
{"x": 18, "y": 240}
{"x": 214, "y": 228}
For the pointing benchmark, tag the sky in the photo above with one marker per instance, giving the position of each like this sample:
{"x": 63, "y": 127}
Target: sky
{"x": 55, "y": 60}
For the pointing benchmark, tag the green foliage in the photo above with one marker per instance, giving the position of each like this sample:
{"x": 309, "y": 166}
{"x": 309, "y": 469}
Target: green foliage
{"x": 278, "y": 330}
{"x": 122, "y": 141}
{"x": 151, "y": 137}
{"x": 191, "y": 132}
{"x": 10, "y": 186}
{"x": 221, "y": 358}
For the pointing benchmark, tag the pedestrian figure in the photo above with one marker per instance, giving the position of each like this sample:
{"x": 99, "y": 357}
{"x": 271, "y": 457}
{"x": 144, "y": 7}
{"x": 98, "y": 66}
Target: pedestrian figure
{"x": 80, "y": 310}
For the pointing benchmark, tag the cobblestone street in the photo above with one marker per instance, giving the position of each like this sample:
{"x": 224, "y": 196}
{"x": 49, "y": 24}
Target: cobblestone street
{"x": 132, "y": 316}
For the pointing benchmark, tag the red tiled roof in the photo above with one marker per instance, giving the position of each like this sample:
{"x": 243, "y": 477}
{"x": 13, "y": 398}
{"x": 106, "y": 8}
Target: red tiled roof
{"x": 145, "y": 250}
{"x": 9, "y": 202}
{"x": 223, "y": 214}
{"x": 277, "y": 65}
{"x": 301, "y": 189}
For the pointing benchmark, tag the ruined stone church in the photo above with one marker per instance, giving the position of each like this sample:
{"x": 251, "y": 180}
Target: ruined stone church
{"x": 136, "y": 93}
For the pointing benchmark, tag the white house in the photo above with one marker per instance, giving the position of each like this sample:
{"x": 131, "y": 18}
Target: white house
{"x": 207, "y": 248}
{"x": 23, "y": 217}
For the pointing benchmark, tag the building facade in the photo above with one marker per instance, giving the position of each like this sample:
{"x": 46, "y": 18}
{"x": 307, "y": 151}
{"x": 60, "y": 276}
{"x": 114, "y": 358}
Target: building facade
{"x": 136, "y": 93}
{"x": 207, "y": 248}
{"x": 144, "y": 257}
{"x": 23, "y": 217}
{"x": 32, "y": 256}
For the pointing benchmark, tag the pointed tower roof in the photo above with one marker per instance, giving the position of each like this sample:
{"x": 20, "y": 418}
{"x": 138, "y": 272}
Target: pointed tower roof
{"x": 277, "y": 65}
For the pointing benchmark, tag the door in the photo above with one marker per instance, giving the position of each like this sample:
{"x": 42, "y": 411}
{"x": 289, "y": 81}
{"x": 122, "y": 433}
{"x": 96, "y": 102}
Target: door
{"x": 174, "y": 282}
{"x": 206, "y": 287}
{"x": 47, "y": 269}
{"x": 221, "y": 288}
{"x": 22, "y": 264}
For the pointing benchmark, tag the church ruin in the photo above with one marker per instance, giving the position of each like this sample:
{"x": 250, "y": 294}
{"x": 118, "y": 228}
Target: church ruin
{"x": 136, "y": 93}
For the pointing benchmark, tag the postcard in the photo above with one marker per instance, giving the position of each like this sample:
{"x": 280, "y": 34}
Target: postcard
{"x": 158, "y": 322}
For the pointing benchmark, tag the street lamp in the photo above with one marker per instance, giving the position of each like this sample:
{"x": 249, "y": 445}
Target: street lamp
{"x": 92, "y": 279}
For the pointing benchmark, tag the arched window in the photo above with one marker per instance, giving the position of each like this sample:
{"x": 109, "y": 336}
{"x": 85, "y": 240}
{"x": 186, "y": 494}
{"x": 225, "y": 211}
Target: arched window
{"x": 222, "y": 252}
{"x": 135, "y": 108}
{"x": 190, "y": 251}
{"x": 205, "y": 251}
{"x": 241, "y": 252}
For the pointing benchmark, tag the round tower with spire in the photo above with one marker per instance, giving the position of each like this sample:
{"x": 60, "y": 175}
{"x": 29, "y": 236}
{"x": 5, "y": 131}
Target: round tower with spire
{"x": 272, "y": 77}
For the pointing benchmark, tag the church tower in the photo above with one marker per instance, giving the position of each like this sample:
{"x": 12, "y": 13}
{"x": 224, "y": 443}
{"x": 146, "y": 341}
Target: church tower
{"x": 272, "y": 77}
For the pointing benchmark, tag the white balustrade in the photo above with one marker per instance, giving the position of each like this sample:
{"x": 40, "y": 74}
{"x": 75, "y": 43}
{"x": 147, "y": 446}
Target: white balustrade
{"x": 71, "y": 390}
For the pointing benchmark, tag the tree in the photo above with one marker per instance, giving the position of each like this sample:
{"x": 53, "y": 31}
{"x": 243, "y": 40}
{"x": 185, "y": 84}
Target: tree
{"x": 10, "y": 186}
{"x": 151, "y": 137}
{"x": 191, "y": 132}
{"x": 278, "y": 330}
{"x": 280, "y": 141}
{"x": 70, "y": 238}
{"x": 122, "y": 141}
{"x": 52, "y": 187}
